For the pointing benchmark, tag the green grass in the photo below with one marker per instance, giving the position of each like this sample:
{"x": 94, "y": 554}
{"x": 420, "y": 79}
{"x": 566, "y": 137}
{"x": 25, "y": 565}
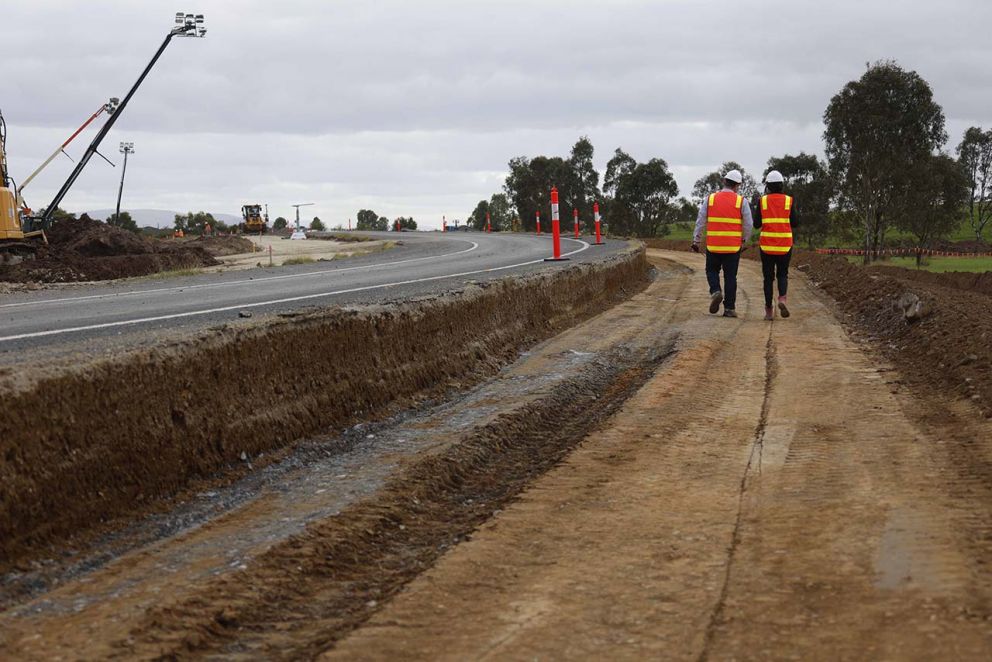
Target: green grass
{"x": 347, "y": 237}
{"x": 302, "y": 259}
{"x": 681, "y": 232}
{"x": 936, "y": 264}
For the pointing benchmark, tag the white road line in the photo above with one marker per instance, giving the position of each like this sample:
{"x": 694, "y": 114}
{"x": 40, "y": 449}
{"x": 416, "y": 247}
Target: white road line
{"x": 272, "y": 302}
{"x": 322, "y": 272}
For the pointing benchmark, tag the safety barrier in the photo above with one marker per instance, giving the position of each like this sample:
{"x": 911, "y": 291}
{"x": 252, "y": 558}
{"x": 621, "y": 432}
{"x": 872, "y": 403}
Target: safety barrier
{"x": 895, "y": 252}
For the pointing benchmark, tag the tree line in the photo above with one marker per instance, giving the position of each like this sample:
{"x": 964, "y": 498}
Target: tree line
{"x": 370, "y": 221}
{"x": 886, "y": 170}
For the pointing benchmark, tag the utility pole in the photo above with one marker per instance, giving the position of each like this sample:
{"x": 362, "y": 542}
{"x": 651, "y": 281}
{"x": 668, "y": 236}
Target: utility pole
{"x": 126, "y": 148}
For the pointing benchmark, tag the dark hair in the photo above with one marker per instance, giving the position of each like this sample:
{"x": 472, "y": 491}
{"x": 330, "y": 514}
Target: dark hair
{"x": 729, "y": 183}
{"x": 775, "y": 187}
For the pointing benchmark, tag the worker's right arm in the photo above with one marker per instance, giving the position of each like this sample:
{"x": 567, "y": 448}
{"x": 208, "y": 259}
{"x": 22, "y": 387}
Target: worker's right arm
{"x": 697, "y": 234}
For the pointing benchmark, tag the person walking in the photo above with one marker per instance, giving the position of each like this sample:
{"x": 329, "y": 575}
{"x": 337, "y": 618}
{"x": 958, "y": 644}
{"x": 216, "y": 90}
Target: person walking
{"x": 776, "y": 216}
{"x": 726, "y": 218}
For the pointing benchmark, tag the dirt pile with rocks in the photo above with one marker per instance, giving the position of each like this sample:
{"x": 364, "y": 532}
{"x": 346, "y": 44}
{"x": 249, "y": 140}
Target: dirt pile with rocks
{"x": 123, "y": 431}
{"x": 84, "y": 249}
{"x": 937, "y": 336}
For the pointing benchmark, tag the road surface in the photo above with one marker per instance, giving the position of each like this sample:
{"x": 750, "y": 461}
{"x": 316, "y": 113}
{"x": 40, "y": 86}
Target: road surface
{"x": 425, "y": 263}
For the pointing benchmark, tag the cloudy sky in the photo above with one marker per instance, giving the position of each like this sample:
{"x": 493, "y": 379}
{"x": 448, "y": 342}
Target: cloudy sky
{"x": 415, "y": 107}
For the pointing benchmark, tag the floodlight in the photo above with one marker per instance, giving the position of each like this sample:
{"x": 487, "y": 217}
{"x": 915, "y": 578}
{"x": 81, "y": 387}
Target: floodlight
{"x": 189, "y": 25}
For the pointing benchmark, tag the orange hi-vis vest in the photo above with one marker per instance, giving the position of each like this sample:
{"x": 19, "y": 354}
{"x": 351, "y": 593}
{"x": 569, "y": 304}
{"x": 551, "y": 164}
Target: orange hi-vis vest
{"x": 776, "y": 226}
{"x": 724, "y": 223}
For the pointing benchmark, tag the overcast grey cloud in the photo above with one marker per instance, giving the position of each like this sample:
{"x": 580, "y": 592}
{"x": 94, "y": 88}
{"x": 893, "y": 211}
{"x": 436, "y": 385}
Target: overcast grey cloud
{"x": 414, "y": 108}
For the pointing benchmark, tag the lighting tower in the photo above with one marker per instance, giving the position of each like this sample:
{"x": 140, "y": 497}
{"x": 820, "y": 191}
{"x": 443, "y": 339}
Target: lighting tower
{"x": 305, "y": 204}
{"x": 187, "y": 25}
{"x": 126, "y": 148}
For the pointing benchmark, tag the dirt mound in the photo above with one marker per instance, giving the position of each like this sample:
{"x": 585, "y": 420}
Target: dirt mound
{"x": 84, "y": 249}
{"x": 961, "y": 280}
{"x": 91, "y": 238}
{"x": 938, "y": 336}
{"x": 226, "y": 245}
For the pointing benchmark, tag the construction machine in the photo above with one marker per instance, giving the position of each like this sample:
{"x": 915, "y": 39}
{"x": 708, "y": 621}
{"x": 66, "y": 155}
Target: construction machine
{"x": 18, "y": 225}
{"x": 254, "y": 220}
{"x": 15, "y": 243}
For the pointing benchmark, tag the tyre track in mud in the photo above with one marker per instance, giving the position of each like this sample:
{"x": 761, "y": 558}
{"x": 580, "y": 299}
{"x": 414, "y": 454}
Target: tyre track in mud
{"x": 305, "y": 594}
{"x": 620, "y": 552}
{"x": 576, "y": 379}
{"x": 756, "y": 448}
{"x": 860, "y": 530}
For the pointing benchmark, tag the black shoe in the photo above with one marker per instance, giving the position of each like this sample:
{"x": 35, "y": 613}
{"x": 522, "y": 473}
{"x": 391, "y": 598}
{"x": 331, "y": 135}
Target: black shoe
{"x": 783, "y": 310}
{"x": 730, "y": 312}
{"x": 715, "y": 300}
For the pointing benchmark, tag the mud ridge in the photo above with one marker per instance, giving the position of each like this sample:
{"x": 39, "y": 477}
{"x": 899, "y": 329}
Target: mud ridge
{"x": 717, "y": 617}
{"x": 120, "y": 433}
{"x": 304, "y": 594}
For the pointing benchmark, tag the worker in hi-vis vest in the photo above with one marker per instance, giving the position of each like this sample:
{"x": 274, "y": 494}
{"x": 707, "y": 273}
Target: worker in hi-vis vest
{"x": 776, "y": 217}
{"x": 726, "y": 218}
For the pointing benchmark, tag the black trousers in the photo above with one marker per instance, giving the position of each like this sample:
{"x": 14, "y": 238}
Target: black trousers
{"x": 728, "y": 262}
{"x": 775, "y": 266}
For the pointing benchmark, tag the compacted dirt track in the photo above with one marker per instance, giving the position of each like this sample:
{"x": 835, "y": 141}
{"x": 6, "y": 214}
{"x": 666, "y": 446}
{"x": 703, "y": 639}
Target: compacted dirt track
{"x": 765, "y": 495}
{"x": 653, "y": 483}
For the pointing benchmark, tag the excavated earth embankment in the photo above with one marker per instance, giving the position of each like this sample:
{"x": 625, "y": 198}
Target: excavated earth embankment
{"x": 980, "y": 282}
{"x": 120, "y": 433}
{"x": 84, "y": 249}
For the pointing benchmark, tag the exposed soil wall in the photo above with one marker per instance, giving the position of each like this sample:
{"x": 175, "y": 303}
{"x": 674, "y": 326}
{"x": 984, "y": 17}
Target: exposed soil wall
{"x": 124, "y": 431}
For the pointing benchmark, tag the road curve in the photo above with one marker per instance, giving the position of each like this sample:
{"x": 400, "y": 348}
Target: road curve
{"x": 424, "y": 264}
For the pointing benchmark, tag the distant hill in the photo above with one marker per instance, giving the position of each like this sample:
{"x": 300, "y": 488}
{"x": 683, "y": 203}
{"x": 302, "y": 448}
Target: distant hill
{"x": 158, "y": 218}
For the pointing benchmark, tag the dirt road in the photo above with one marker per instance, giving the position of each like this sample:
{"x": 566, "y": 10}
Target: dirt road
{"x": 653, "y": 483}
{"x": 765, "y": 495}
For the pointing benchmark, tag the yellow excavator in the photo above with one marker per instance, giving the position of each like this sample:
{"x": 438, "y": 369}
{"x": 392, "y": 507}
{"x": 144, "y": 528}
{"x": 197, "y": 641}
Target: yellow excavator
{"x": 15, "y": 243}
{"x": 254, "y": 220}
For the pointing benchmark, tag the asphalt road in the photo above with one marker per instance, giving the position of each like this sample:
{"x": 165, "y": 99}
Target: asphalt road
{"x": 424, "y": 264}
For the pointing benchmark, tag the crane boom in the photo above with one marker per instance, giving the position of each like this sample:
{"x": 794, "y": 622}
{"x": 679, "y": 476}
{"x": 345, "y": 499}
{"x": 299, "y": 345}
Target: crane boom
{"x": 108, "y": 107}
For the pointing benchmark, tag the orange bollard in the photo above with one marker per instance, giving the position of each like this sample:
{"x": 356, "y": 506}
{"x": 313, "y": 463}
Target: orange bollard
{"x": 444, "y": 224}
{"x": 538, "y": 221}
{"x": 489, "y": 227}
{"x": 575, "y": 214}
{"x": 555, "y": 229}
{"x": 595, "y": 215}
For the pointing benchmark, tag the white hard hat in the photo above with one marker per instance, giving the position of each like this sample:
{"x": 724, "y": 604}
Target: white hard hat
{"x": 774, "y": 177}
{"x": 734, "y": 176}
